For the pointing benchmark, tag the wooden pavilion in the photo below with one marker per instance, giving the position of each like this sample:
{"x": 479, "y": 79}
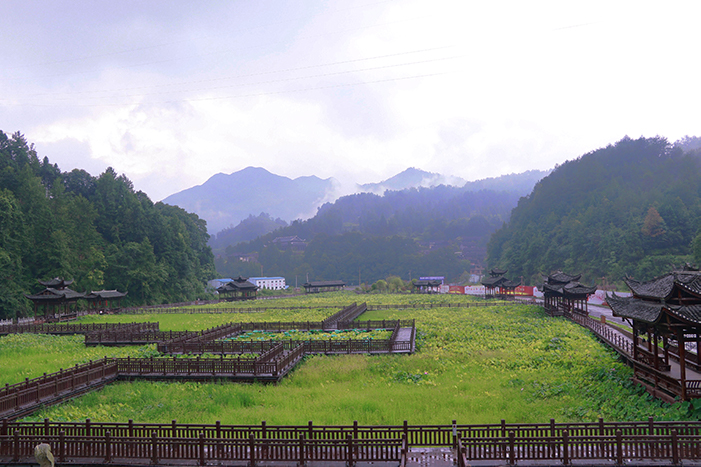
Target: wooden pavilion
{"x": 498, "y": 286}
{"x": 666, "y": 310}
{"x": 427, "y": 286}
{"x": 323, "y": 286}
{"x": 104, "y": 299}
{"x": 55, "y": 299}
{"x": 238, "y": 289}
{"x": 563, "y": 293}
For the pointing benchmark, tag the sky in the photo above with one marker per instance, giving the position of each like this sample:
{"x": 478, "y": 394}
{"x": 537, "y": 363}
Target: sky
{"x": 172, "y": 92}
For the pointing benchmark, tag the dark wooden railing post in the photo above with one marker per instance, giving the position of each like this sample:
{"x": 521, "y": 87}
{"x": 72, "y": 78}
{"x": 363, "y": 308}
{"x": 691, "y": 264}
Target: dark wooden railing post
{"x": 154, "y": 448}
{"x": 350, "y": 461}
{"x": 302, "y": 459}
{"x": 675, "y": 448}
{"x": 15, "y": 446}
{"x": 201, "y": 446}
{"x": 108, "y": 447}
{"x": 619, "y": 447}
{"x": 311, "y": 430}
{"x": 252, "y": 450}
{"x": 566, "y": 447}
{"x": 512, "y": 448}
{"x": 219, "y": 441}
{"x": 61, "y": 445}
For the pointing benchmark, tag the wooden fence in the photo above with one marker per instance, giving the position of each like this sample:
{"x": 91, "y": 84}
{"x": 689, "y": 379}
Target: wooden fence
{"x": 503, "y": 443}
{"x": 69, "y": 328}
{"x": 153, "y": 449}
{"x": 261, "y": 309}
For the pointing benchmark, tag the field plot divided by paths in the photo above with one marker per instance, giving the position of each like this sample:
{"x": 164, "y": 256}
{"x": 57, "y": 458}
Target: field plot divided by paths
{"x": 474, "y": 365}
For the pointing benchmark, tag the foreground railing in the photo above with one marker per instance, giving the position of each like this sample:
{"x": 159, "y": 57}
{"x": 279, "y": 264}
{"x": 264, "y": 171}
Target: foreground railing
{"x": 495, "y": 444}
{"x": 155, "y": 449}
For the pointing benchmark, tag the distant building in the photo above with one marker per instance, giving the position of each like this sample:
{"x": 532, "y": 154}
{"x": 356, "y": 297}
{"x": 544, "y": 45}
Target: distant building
{"x": 238, "y": 289}
{"x": 323, "y": 286}
{"x": 272, "y": 283}
{"x": 290, "y": 243}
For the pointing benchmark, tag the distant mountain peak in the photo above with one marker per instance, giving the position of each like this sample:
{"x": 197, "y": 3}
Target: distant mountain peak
{"x": 411, "y": 178}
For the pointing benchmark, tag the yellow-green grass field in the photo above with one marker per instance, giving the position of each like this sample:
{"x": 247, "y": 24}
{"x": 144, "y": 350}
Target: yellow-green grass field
{"x": 473, "y": 365}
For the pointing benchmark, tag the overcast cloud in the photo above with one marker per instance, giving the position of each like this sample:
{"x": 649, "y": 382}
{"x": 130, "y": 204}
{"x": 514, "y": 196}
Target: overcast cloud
{"x": 172, "y": 92}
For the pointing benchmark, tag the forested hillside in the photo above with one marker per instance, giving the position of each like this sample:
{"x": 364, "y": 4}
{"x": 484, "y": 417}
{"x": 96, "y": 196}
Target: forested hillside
{"x": 95, "y": 230}
{"x": 407, "y": 233}
{"x": 630, "y": 208}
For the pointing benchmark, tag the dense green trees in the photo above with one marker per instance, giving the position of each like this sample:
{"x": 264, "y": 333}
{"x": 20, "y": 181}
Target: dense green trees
{"x": 95, "y": 230}
{"x": 630, "y": 208}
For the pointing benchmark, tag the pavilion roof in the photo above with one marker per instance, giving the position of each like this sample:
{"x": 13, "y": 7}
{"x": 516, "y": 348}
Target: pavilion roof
{"x": 651, "y": 312}
{"x": 561, "y": 277}
{"x": 51, "y": 294}
{"x": 498, "y": 272}
{"x": 324, "y": 284}
{"x": 428, "y": 283}
{"x": 56, "y": 283}
{"x": 499, "y": 281}
{"x": 664, "y": 287}
{"x": 234, "y": 286}
{"x": 105, "y": 294}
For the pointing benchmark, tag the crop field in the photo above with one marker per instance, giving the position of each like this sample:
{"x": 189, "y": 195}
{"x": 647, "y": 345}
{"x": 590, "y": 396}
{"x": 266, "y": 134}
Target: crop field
{"x": 473, "y": 365}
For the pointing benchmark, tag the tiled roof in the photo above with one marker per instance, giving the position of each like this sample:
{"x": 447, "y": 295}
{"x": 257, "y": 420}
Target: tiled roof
{"x": 324, "y": 284}
{"x": 50, "y": 293}
{"x": 634, "y": 308}
{"x": 657, "y": 289}
{"x": 562, "y": 277}
{"x": 104, "y": 294}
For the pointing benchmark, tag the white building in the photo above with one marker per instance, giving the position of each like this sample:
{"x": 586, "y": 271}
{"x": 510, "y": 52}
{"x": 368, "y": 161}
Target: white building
{"x": 273, "y": 283}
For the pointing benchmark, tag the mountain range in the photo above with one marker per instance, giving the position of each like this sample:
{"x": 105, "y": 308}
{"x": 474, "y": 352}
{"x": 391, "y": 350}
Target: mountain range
{"x": 227, "y": 199}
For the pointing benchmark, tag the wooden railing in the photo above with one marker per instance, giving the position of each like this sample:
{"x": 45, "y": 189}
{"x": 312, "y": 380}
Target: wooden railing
{"x": 65, "y": 328}
{"x": 501, "y": 443}
{"x": 25, "y": 397}
{"x": 566, "y": 448}
{"x": 154, "y": 449}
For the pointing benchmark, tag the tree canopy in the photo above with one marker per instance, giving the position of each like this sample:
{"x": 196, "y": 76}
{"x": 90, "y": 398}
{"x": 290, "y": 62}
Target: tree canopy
{"x": 98, "y": 231}
{"x": 629, "y": 208}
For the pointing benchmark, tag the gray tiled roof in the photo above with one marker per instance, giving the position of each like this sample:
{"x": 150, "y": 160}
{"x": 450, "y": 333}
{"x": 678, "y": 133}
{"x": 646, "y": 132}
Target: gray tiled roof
{"x": 658, "y": 288}
{"x": 49, "y": 294}
{"x": 634, "y": 308}
{"x": 562, "y": 277}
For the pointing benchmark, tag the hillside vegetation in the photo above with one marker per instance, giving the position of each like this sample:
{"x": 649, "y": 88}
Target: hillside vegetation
{"x": 629, "y": 208}
{"x": 98, "y": 231}
{"x": 423, "y": 230}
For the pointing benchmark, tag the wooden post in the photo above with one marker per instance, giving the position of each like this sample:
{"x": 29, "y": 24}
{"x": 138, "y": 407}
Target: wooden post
{"x": 350, "y": 461}
{"x": 15, "y": 446}
{"x": 61, "y": 445}
{"x": 619, "y": 447}
{"x": 512, "y": 448}
{"x": 675, "y": 448}
{"x": 682, "y": 362}
{"x": 154, "y": 448}
{"x": 565, "y": 447}
{"x": 201, "y": 447}
{"x": 302, "y": 459}
{"x": 252, "y": 450}
{"x": 108, "y": 448}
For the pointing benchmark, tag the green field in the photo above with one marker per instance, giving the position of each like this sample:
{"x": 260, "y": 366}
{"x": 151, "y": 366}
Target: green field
{"x": 473, "y": 365}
